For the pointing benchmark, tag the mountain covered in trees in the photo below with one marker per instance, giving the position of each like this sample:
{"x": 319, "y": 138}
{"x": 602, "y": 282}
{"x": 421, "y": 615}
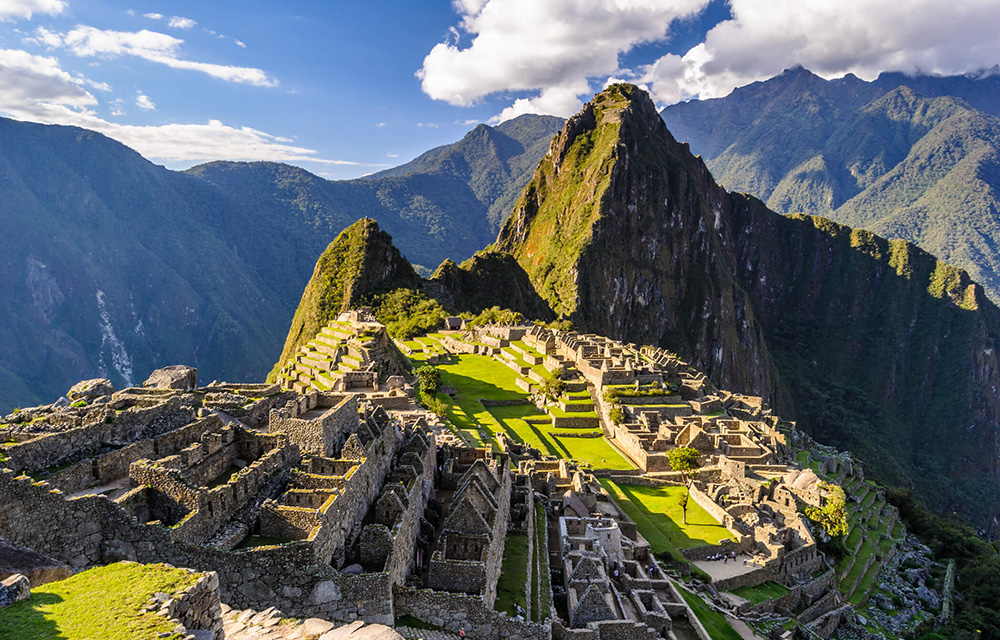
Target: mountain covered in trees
{"x": 916, "y": 158}
{"x": 114, "y": 266}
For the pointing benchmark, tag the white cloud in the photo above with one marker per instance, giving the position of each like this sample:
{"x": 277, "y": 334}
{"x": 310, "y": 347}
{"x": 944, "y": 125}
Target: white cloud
{"x": 392, "y": 155}
{"x": 85, "y": 41}
{"x": 37, "y": 89}
{"x": 428, "y": 125}
{"x": 863, "y": 37}
{"x": 379, "y": 124}
{"x": 143, "y": 102}
{"x": 93, "y": 84}
{"x": 549, "y": 46}
{"x": 153, "y": 16}
{"x": 239, "y": 43}
{"x": 558, "y": 51}
{"x": 177, "y": 22}
{"x": 14, "y": 9}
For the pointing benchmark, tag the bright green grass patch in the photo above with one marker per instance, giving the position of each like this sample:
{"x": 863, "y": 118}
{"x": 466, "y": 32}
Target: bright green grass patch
{"x": 762, "y": 592}
{"x": 542, "y": 601}
{"x": 559, "y": 413}
{"x": 514, "y": 575}
{"x": 661, "y": 507}
{"x": 100, "y": 604}
{"x": 596, "y": 452}
{"x": 475, "y": 377}
{"x": 520, "y": 425}
{"x": 859, "y": 564}
{"x": 715, "y": 623}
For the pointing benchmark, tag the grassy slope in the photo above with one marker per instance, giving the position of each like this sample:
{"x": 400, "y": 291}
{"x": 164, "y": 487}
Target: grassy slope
{"x": 477, "y": 377}
{"x": 657, "y": 513}
{"x": 715, "y": 623}
{"x": 513, "y": 575}
{"x": 100, "y": 604}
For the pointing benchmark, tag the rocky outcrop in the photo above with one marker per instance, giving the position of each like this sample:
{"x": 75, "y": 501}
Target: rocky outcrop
{"x": 14, "y": 589}
{"x": 39, "y": 569}
{"x": 90, "y": 389}
{"x": 873, "y": 345}
{"x": 176, "y": 376}
{"x": 487, "y": 279}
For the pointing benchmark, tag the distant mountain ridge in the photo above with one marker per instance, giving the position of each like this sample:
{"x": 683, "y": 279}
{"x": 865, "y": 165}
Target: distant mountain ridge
{"x": 447, "y": 203}
{"x": 114, "y": 266}
{"x": 911, "y": 157}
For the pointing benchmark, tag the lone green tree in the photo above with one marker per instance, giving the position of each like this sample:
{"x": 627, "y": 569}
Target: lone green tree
{"x": 554, "y": 385}
{"x": 684, "y": 459}
{"x": 429, "y": 379}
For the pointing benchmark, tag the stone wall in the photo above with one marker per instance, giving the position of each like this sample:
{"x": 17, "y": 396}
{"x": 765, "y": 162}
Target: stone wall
{"x": 198, "y": 607}
{"x": 323, "y": 435}
{"x": 118, "y": 428}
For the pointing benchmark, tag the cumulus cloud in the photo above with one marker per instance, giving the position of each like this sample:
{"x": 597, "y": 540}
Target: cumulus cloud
{"x": 559, "y": 51}
{"x": 549, "y": 46}
{"x": 85, "y": 41}
{"x": 14, "y": 9}
{"x": 143, "y": 102}
{"x": 864, "y": 37}
{"x": 36, "y": 88}
{"x": 153, "y": 16}
{"x": 177, "y": 22}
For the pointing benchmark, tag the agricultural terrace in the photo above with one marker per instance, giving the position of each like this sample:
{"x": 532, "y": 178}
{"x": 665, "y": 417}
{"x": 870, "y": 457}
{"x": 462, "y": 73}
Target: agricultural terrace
{"x": 476, "y": 376}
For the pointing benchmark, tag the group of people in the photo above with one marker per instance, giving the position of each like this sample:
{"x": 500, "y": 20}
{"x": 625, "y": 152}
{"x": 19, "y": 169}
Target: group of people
{"x": 726, "y": 557}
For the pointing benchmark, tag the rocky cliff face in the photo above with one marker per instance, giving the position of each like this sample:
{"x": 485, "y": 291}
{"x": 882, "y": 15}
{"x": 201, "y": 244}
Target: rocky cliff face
{"x": 870, "y": 344}
{"x": 360, "y": 260}
{"x": 487, "y": 279}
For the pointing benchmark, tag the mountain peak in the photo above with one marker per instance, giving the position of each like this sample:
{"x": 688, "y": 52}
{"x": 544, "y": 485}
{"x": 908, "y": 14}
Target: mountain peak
{"x": 360, "y": 260}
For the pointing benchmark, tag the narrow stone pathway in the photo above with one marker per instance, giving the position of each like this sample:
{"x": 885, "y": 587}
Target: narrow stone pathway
{"x": 409, "y": 633}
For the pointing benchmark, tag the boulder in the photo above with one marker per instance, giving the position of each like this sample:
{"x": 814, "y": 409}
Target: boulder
{"x": 39, "y": 569}
{"x": 176, "y": 376}
{"x": 90, "y": 389}
{"x": 352, "y": 570}
{"x": 14, "y": 589}
{"x": 61, "y": 403}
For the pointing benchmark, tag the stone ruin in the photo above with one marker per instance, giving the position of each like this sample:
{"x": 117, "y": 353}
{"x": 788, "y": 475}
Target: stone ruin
{"x": 333, "y": 495}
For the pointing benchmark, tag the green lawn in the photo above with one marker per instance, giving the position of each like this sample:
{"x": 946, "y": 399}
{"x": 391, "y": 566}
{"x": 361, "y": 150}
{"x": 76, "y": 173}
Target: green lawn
{"x": 104, "y": 603}
{"x": 475, "y": 377}
{"x": 715, "y": 623}
{"x": 537, "y": 433}
{"x": 657, "y": 513}
{"x": 513, "y": 575}
{"x": 542, "y": 590}
{"x": 762, "y": 592}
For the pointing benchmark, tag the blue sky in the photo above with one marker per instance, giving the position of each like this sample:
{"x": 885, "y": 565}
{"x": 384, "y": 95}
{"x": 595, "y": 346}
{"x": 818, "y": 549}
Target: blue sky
{"x": 347, "y": 88}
